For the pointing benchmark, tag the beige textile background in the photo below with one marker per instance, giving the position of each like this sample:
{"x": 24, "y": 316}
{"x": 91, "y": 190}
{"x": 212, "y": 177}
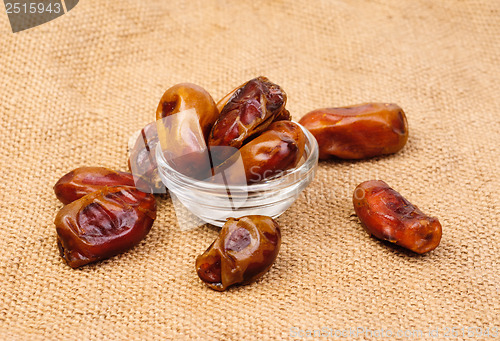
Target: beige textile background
{"x": 74, "y": 90}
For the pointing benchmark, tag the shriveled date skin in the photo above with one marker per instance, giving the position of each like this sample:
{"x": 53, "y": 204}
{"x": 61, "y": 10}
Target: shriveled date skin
{"x": 274, "y": 151}
{"x": 186, "y": 96}
{"x": 389, "y": 216}
{"x": 103, "y": 224}
{"x": 245, "y": 250}
{"x": 247, "y": 111}
{"x": 284, "y": 115}
{"x": 84, "y": 180}
{"x": 142, "y": 161}
{"x": 359, "y": 131}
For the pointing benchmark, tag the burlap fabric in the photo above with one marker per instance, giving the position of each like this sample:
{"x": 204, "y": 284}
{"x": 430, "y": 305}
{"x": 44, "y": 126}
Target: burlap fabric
{"x": 74, "y": 90}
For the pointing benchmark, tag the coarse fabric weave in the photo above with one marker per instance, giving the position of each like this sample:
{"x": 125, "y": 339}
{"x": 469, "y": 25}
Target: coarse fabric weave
{"x": 73, "y": 91}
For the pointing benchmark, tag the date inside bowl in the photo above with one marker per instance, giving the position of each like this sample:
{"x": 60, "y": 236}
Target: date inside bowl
{"x": 214, "y": 191}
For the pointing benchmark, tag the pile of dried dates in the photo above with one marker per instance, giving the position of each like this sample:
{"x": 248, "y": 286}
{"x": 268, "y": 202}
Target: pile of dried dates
{"x": 107, "y": 212}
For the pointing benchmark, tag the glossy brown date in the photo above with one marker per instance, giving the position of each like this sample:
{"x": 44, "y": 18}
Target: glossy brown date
{"x": 387, "y": 215}
{"x": 245, "y": 250}
{"x": 103, "y": 224}
{"x": 185, "y": 116}
{"x": 142, "y": 161}
{"x": 247, "y": 111}
{"x": 276, "y": 150}
{"x": 359, "y": 131}
{"x": 84, "y": 180}
{"x": 184, "y": 96}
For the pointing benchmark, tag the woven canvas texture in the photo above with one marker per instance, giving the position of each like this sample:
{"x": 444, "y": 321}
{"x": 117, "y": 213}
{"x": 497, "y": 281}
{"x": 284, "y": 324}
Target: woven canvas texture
{"x": 74, "y": 90}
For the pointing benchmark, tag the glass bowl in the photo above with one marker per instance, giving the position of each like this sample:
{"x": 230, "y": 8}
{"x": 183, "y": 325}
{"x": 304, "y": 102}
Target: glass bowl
{"x": 215, "y": 202}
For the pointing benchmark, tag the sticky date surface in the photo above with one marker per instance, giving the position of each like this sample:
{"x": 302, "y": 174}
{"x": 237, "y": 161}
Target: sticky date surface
{"x": 185, "y": 116}
{"x": 247, "y": 111}
{"x": 84, "y": 180}
{"x": 276, "y": 150}
{"x": 245, "y": 249}
{"x": 387, "y": 215}
{"x": 184, "y": 96}
{"x": 359, "y": 131}
{"x": 103, "y": 224}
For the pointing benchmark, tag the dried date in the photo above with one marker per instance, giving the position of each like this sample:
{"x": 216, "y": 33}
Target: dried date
{"x": 283, "y": 115}
{"x": 276, "y": 150}
{"x": 359, "y": 131}
{"x": 245, "y": 250}
{"x": 247, "y": 111}
{"x": 84, "y": 180}
{"x": 103, "y": 224}
{"x": 185, "y": 116}
{"x": 387, "y": 215}
{"x": 185, "y": 96}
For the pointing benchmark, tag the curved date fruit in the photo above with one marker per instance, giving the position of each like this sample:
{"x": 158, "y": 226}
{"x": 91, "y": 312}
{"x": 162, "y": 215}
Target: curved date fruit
{"x": 248, "y": 110}
{"x": 85, "y": 180}
{"x": 388, "y": 216}
{"x": 359, "y": 131}
{"x": 245, "y": 249}
{"x": 186, "y": 96}
{"x": 142, "y": 161}
{"x": 185, "y": 116}
{"x": 274, "y": 151}
{"x": 103, "y": 224}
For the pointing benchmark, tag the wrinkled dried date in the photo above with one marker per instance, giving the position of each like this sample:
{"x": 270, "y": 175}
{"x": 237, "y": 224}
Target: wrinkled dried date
{"x": 359, "y": 131}
{"x": 103, "y": 224}
{"x": 84, "y": 180}
{"x": 247, "y": 111}
{"x": 389, "y": 216}
{"x": 142, "y": 161}
{"x": 274, "y": 151}
{"x": 245, "y": 249}
{"x": 284, "y": 114}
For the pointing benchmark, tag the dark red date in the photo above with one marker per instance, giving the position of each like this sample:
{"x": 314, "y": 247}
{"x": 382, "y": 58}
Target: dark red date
{"x": 247, "y": 111}
{"x": 276, "y": 150}
{"x": 103, "y": 224}
{"x": 85, "y": 180}
{"x": 387, "y": 215}
{"x": 245, "y": 250}
{"x": 283, "y": 115}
